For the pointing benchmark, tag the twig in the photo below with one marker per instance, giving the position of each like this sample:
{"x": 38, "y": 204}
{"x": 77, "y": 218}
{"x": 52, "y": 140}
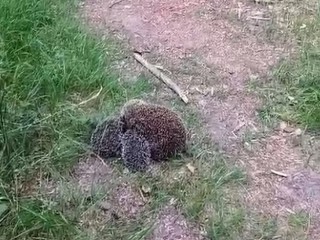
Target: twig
{"x": 237, "y": 128}
{"x": 90, "y": 99}
{"x": 309, "y": 224}
{"x": 143, "y": 198}
{"x": 276, "y": 237}
{"x": 99, "y": 158}
{"x": 239, "y": 10}
{"x": 279, "y": 173}
{"x": 162, "y": 69}
{"x": 289, "y": 211}
{"x": 160, "y": 75}
{"x": 201, "y": 92}
{"x": 141, "y": 51}
{"x": 306, "y": 164}
{"x": 115, "y": 3}
{"x": 261, "y": 18}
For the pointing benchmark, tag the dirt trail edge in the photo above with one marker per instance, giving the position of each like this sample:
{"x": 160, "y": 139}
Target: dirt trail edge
{"x": 212, "y": 49}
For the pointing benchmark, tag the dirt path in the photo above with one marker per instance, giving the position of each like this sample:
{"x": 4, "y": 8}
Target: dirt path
{"x": 213, "y": 49}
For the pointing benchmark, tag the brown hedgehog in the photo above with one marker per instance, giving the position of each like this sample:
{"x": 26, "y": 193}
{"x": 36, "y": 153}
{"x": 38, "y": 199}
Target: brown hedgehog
{"x": 161, "y": 127}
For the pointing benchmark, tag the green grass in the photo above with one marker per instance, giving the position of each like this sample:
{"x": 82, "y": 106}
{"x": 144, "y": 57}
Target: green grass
{"x": 295, "y": 94}
{"x": 48, "y": 65}
{"x": 299, "y": 224}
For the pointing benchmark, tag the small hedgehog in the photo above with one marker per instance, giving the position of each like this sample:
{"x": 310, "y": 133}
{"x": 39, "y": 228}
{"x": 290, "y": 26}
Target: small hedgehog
{"x": 161, "y": 127}
{"x": 143, "y": 132}
{"x": 105, "y": 140}
{"x": 135, "y": 151}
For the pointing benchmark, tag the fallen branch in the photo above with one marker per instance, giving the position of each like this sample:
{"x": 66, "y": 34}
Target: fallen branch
{"x": 279, "y": 173}
{"x": 160, "y": 75}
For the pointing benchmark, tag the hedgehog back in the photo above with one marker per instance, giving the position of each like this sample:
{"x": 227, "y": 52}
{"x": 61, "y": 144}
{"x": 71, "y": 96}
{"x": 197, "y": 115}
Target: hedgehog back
{"x": 135, "y": 151}
{"x": 105, "y": 140}
{"x": 162, "y": 127}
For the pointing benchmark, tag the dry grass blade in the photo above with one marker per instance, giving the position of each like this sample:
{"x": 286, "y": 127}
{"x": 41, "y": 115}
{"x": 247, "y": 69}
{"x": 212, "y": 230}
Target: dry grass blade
{"x": 91, "y": 98}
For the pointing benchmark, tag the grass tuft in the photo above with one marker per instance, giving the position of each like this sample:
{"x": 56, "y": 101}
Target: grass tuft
{"x": 296, "y": 89}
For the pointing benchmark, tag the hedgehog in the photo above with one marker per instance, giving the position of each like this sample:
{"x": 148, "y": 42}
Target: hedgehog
{"x": 135, "y": 151}
{"x": 161, "y": 127}
{"x": 142, "y": 133}
{"x": 105, "y": 140}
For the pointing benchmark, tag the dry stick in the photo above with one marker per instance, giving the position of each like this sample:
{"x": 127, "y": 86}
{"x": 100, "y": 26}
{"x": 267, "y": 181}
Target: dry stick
{"x": 160, "y": 75}
{"x": 260, "y": 18}
{"x": 279, "y": 173}
{"x": 237, "y": 128}
{"x": 141, "y": 195}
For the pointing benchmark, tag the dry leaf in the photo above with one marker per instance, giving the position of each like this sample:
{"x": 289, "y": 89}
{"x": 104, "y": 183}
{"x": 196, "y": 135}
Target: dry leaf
{"x": 283, "y": 125}
{"x": 291, "y": 98}
{"x": 289, "y": 129}
{"x": 303, "y": 26}
{"x": 191, "y": 168}
{"x": 105, "y": 206}
{"x": 145, "y": 189}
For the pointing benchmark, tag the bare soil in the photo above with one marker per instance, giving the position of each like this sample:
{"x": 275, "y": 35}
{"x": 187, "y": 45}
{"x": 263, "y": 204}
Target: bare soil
{"x": 172, "y": 225}
{"x": 124, "y": 201}
{"x": 212, "y": 49}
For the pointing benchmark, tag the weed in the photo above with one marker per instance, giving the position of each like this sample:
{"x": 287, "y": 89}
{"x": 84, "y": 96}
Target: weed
{"x": 298, "y": 225}
{"x": 300, "y": 219}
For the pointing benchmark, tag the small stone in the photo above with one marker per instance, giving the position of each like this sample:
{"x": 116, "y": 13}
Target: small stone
{"x": 283, "y": 125}
{"x": 288, "y": 130}
{"x": 295, "y": 141}
{"x": 248, "y": 146}
{"x": 291, "y": 98}
{"x": 254, "y": 77}
{"x": 298, "y": 132}
{"x": 191, "y": 168}
{"x": 105, "y": 206}
{"x": 146, "y": 189}
{"x": 203, "y": 232}
{"x": 303, "y": 26}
